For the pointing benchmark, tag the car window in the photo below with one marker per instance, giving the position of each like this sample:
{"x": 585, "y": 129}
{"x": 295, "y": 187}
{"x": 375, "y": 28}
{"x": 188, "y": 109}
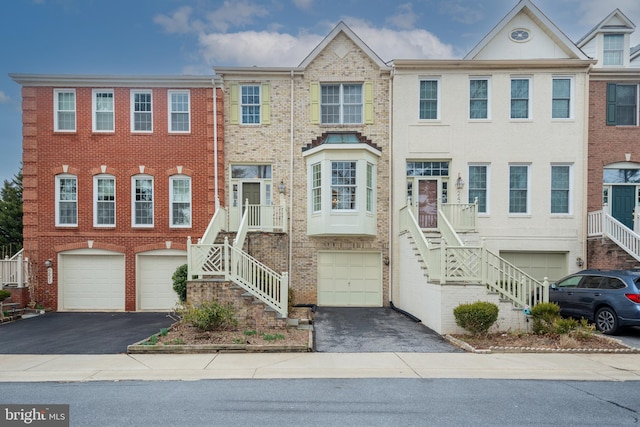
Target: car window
{"x": 612, "y": 283}
{"x": 591, "y": 282}
{"x": 569, "y": 282}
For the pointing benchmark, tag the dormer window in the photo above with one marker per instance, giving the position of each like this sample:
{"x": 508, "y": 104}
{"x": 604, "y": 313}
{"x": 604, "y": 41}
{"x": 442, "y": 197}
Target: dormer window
{"x": 613, "y": 50}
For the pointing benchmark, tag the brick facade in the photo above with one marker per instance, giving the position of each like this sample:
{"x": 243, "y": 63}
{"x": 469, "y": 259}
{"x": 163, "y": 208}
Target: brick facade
{"x": 122, "y": 154}
{"x": 280, "y": 144}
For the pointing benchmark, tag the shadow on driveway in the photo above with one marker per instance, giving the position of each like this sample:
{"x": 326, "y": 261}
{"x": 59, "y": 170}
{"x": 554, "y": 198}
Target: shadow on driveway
{"x": 371, "y": 330}
{"x": 79, "y": 333}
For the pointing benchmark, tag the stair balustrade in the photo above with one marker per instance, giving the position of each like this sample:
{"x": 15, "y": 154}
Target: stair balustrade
{"x": 15, "y": 270}
{"x": 600, "y": 223}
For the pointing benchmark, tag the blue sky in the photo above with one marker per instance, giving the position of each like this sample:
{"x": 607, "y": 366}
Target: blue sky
{"x": 151, "y": 37}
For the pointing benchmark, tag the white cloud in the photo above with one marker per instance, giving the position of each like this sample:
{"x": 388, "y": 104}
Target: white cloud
{"x": 460, "y": 11}
{"x": 303, "y": 4}
{"x": 235, "y": 14}
{"x": 404, "y": 18}
{"x": 4, "y": 98}
{"x": 271, "y": 48}
{"x": 177, "y": 22}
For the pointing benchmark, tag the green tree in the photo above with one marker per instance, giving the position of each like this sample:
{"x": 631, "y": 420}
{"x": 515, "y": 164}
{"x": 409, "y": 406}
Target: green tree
{"x": 11, "y": 215}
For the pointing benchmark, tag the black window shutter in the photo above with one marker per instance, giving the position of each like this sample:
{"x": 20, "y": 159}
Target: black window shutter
{"x": 611, "y": 104}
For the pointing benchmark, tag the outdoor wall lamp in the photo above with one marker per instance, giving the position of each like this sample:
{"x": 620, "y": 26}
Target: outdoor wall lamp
{"x": 48, "y": 263}
{"x": 579, "y": 262}
{"x": 281, "y": 187}
{"x": 459, "y": 183}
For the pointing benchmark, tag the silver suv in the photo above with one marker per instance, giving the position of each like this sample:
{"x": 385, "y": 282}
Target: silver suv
{"x": 609, "y": 298}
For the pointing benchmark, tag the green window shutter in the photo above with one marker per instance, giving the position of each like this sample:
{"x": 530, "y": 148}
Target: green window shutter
{"x": 611, "y": 104}
{"x": 368, "y": 103}
{"x": 265, "y": 107}
{"x": 234, "y": 110}
{"x": 315, "y": 103}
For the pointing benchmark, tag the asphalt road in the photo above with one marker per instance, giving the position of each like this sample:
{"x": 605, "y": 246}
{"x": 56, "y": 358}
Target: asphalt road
{"x": 338, "y": 402}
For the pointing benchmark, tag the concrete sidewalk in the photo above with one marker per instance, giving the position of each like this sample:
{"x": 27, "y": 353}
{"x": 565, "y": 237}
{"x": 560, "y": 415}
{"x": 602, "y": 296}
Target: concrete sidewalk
{"x": 116, "y": 367}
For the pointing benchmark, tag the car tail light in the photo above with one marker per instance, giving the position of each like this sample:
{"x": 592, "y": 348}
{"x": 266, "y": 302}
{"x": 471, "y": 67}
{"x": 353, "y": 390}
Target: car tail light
{"x": 633, "y": 297}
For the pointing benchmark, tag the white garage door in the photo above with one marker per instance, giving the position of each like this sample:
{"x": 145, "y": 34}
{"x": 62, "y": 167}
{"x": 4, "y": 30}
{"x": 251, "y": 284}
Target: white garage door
{"x": 91, "y": 280}
{"x": 552, "y": 265}
{"x": 349, "y": 279}
{"x": 155, "y": 285}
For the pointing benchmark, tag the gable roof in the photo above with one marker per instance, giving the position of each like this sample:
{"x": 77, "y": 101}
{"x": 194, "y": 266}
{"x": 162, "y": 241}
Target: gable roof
{"x": 615, "y": 22}
{"x": 526, "y": 6}
{"x": 344, "y": 28}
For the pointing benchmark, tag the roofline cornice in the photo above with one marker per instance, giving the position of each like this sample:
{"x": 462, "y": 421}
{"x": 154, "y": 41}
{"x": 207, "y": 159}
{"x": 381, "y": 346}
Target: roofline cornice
{"x": 470, "y": 64}
{"x": 83, "y": 80}
{"x": 599, "y": 74}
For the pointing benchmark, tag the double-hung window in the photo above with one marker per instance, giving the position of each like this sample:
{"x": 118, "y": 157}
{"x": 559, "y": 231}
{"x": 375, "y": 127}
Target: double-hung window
{"x": 64, "y": 107}
{"x": 520, "y": 98}
{"x": 561, "y": 105}
{"x": 179, "y": 111}
{"x": 518, "y": 189}
{"x": 343, "y": 185}
{"x": 560, "y": 189}
{"x": 104, "y": 193}
{"x": 429, "y": 100}
{"x": 180, "y": 196}
{"x": 622, "y": 104}
{"x": 613, "y": 50}
{"x": 478, "y": 186}
{"x": 103, "y": 110}
{"x": 250, "y": 104}
{"x": 316, "y": 187}
{"x": 341, "y": 103}
{"x": 370, "y": 194}
{"x": 478, "y": 98}
{"x": 66, "y": 201}
{"x": 142, "y": 203}
{"x": 141, "y": 111}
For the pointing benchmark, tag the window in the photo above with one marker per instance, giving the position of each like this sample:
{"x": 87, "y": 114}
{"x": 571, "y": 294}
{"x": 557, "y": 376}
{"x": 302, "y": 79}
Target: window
{"x": 622, "y": 104}
{"x": 561, "y": 98}
{"x": 518, "y": 189}
{"x": 369, "y": 187}
{"x": 250, "y": 104}
{"x": 66, "y": 200}
{"x": 560, "y": 186}
{"x": 142, "y": 201}
{"x": 103, "y": 116}
{"x": 429, "y": 100}
{"x": 64, "y": 106}
{"x": 179, "y": 111}
{"x": 104, "y": 191}
{"x": 316, "y": 186}
{"x": 141, "y": 111}
{"x": 180, "y": 188}
{"x": 520, "y": 98}
{"x": 613, "y": 49}
{"x": 479, "y": 99}
{"x": 343, "y": 185}
{"x": 341, "y": 103}
{"x": 478, "y": 179}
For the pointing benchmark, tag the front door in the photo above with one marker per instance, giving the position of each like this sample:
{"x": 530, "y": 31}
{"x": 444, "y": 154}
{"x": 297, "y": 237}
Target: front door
{"x": 623, "y": 203}
{"x": 251, "y": 194}
{"x": 428, "y": 203}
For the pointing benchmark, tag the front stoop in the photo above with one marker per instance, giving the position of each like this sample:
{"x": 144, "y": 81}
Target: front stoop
{"x": 251, "y": 313}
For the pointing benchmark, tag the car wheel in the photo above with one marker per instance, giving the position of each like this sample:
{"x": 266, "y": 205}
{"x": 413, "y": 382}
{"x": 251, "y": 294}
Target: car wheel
{"x": 607, "y": 320}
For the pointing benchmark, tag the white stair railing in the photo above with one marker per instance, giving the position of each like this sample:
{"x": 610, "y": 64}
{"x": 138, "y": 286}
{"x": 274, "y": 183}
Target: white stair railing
{"x": 15, "y": 270}
{"x": 602, "y": 224}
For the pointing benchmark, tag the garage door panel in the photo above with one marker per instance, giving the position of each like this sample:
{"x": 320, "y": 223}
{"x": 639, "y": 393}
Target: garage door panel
{"x": 552, "y": 265}
{"x": 349, "y": 279}
{"x": 155, "y": 283}
{"x": 92, "y": 282}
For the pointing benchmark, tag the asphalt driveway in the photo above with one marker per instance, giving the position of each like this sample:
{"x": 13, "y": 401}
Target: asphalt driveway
{"x": 79, "y": 333}
{"x": 370, "y": 330}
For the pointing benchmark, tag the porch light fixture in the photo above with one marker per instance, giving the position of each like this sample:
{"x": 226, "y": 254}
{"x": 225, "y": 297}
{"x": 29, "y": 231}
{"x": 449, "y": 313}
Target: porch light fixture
{"x": 48, "y": 263}
{"x": 579, "y": 262}
{"x": 281, "y": 187}
{"x": 459, "y": 183}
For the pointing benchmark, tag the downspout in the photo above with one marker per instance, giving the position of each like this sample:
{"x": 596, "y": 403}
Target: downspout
{"x": 215, "y": 145}
{"x": 290, "y": 207}
{"x": 392, "y": 208}
{"x": 585, "y": 167}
